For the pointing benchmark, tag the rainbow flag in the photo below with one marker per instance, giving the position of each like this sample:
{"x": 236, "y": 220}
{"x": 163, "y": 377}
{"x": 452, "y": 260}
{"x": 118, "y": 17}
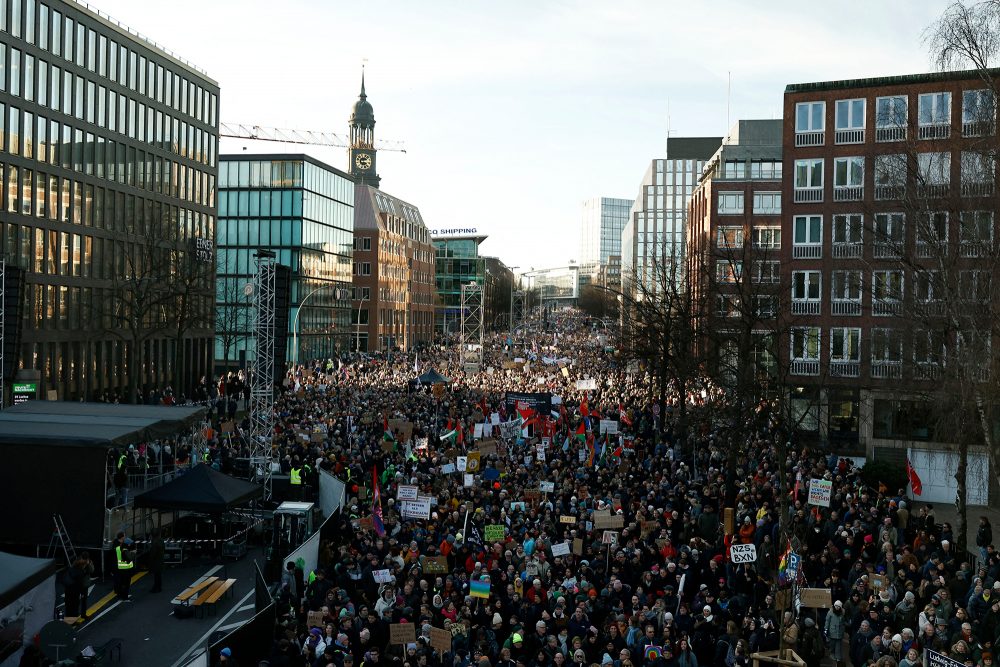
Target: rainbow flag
{"x": 479, "y": 588}
{"x": 653, "y": 653}
{"x": 783, "y": 565}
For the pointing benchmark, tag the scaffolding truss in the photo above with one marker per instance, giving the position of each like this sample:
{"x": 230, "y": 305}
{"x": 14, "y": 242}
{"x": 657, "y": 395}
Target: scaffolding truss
{"x": 517, "y": 308}
{"x": 3, "y": 329}
{"x": 261, "y": 418}
{"x": 472, "y": 327}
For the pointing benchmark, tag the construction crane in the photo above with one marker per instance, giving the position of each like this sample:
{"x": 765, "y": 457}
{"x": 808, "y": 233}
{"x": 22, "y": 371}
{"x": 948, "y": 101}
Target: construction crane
{"x": 288, "y": 136}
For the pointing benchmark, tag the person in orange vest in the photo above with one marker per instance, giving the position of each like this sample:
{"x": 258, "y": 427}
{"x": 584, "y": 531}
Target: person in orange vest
{"x": 747, "y": 530}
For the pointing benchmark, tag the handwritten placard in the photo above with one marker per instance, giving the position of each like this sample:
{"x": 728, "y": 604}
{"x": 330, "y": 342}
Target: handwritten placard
{"x": 565, "y": 518}
{"x": 440, "y": 639}
{"x": 402, "y": 633}
{"x": 435, "y": 564}
{"x": 560, "y": 549}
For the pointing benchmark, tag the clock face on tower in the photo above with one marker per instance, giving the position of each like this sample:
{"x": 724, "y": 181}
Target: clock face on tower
{"x": 363, "y": 161}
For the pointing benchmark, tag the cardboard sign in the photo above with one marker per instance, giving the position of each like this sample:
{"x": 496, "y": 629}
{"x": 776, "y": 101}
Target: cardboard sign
{"x": 820, "y": 491}
{"x": 547, "y": 487}
{"x": 440, "y": 639}
{"x": 435, "y": 564}
{"x": 783, "y": 598}
{"x": 531, "y": 494}
{"x": 227, "y": 427}
{"x": 743, "y": 553}
{"x": 607, "y": 520}
{"x": 879, "y": 582}
{"x": 382, "y": 576}
{"x": 729, "y": 520}
{"x": 647, "y": 527}
{"x": 317, "y": 437}
{"x": 402, "y": 633}
{"x": 314, "y": 619}
{"x": 567, "y": 519}
{"x": 610, "y": 537}
{"x": 495, "y": 532}
{"x": 578, "y": 546}
{"x": 487, "y": 447}
{"x": 406, "y": 492}
{"x": 815, "y": 598}
{"x": 560, "y": 549}
{"x": 388, "y": 446}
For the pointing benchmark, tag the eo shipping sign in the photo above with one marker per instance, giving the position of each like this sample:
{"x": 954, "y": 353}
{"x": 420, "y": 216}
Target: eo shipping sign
{"x": 24, "y": 391}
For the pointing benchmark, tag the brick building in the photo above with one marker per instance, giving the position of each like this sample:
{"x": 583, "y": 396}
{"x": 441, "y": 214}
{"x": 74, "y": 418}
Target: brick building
{"x": 733, "y": 245}
{"x": 889, "y": 204}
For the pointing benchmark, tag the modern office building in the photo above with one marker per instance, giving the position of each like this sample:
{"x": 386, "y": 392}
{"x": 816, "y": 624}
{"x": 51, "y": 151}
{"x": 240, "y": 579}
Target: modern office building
{"x": 604, "y": 219}
{"x": 733, "y": 250}
{"x": 302, "y": 210}
{"x": 654, "y": 236}
{"x": 890, "y": 200}
{"x": 394, "y": 289}
{"x": 109, "y": 148}
{"x": 557, "y": 286}
{"x": 458, "y": 262}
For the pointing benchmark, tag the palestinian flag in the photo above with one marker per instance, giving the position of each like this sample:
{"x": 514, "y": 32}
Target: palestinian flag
{"x": 581, "y": 432}
{"x": 377, "y": 506}
{"x": 386, "y": 431}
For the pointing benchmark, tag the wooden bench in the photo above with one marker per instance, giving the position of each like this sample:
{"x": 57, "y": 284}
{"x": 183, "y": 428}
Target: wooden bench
{"x": 190, "y": 591}
{"x": 218, "y": 590}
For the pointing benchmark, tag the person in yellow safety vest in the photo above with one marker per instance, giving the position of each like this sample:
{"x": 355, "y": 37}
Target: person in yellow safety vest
{"x": 295, "y": 477}
{"x": 123, "y": 568}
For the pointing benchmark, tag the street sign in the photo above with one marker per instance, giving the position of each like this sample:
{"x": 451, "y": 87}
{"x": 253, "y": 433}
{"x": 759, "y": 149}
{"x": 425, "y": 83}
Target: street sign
{"x": 793, "y": 565}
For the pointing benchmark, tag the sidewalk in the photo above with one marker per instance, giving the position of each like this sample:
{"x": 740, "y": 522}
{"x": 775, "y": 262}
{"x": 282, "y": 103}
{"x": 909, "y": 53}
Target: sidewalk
{"x": 946, "y": 513}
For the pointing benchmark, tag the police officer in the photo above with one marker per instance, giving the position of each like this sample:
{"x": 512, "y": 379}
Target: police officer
{"x": 295, "y": 479}
{"x": 123, "y": 568}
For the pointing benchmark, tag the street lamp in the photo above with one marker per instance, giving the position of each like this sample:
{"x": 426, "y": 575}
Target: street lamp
{"x": 295, "y": 322}
{"x": 510, "y": 318}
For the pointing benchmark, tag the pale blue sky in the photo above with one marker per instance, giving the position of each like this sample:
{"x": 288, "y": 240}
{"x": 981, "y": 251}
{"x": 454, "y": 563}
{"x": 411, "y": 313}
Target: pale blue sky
{"x": 514, "y": 112}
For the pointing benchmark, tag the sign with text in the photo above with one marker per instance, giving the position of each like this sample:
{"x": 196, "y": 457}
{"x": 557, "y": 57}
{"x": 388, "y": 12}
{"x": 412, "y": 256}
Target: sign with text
{"x": 820, "y": 491}
{"x": 586, "y": 385}
{"x": 935, "y": 659}
{"x": 415, "y": 509}
{"x": 565, "y": 518}
{"x": 560, "y": 549}
{"x": 435, "y": 564}
{"x": 609, "y": 426}
{"x": 406, "y": 492}
{"x": 547, "y": 487}
{"x": 382, "y": 576}
{"x": 440, "y": 639}
{"x": 402, "y": 633}
{"x": 818, "y": 598}
{"x": 743, "y": 553}
{"x": 495, "y": 532}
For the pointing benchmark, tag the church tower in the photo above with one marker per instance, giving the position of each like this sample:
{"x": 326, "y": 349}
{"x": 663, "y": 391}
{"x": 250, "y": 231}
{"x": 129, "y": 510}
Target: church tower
{"x": 362, "y": 150}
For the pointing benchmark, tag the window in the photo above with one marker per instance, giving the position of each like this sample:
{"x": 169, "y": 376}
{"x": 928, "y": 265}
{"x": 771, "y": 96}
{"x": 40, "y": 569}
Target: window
{"x": 729, "y": 237}
{"x": 806, "y": 285}
{"x": 934, "y": 172}
{"x": 362, "y": 268}
{"x": 934, "y": 115}
{"x": 847, "y": 228}
{"x": 807, "y": 236}
{"x": 808, "y": 180}
{"x": 359, "y": 316}
{"x": 850, "y": 121}
{"x": 809, "y": 117}
{"x": 766, "y": 238}
{"x": 974, "y": 286}
{"x": 846, "y": 285}
{"x": 975, "y": 232}
{"x": 887, "y": 291}
{"x": 891, "y": 118}
{"x": 848, "y": 178}
{"x": 766, "y": 169}
{"x": 765, "y": 306}
{"x": 766, "y": 271}
{"x": 927, "y": 286}
{"x": 978, "y": 113}
{"x": 766, "y": 203}
{"x": 727, "y": 272}
{"x": 727, "y": 305}
{"x": 978, "y": 174}
{"x": 730, "y": 203}
{"x": 734, "y": 169}
{"x": 805, "y": 344}
{"x": 889, "y": 176}
{"x": 928, "y": 346}
{"x": 845, "y": 344}
{"x": 932, "y": 233}
{"x": 887, "y": 348}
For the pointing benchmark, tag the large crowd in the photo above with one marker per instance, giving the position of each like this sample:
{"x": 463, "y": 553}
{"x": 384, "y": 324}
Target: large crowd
{"x": 625, "y": 561}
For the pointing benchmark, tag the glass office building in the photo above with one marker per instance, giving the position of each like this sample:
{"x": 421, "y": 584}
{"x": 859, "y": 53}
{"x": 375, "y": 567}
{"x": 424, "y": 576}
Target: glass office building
{"x": 108, "y": 149}
{"x": 303, "y": 211}
{"x": 456, "y": 263}
{"x": 604, "y": 218}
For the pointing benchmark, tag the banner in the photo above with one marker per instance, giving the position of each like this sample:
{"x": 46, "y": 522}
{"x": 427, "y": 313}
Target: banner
{"x": 510, "y": 430}
{"x": 540, "y": 402}
{"x": 415, "y": 509}
{"x": 586, "y": 385}
{"x": 609, "y": 426}
{"x": 743, "y": 553}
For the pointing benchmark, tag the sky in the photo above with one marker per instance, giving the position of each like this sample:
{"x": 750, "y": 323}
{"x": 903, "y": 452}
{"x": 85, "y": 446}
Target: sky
{"x": 513, "y": 113}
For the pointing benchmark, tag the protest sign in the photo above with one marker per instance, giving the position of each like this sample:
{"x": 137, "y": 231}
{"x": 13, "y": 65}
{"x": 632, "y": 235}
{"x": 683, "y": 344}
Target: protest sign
{"x": 743, "y": 553}
{"x": 440, "y": 639}
{"x": 610, "y": 537}
{"x": 461, "y": 463}
{"x": 586, "y": 385}
{"x": 547, "y": 487}
{"x": 495, "y": 418}
{"x": 435, "y": 565}
{"x": 477, "y": 431}
{"x": 382, "y": 576}
{"x": 935, "y": 659}
{"x": 469, "y": 480}
{"x": 495, "y": 532}
{"x": 487, "y": 447}
{"x": 815, "y": 597}
{"x": 448, "y": 468}
{"x": 820, "y": 491}
{"x": 406, "y": 492}
{"x": 578, "y": 546}
{"x": 472, "y": 462}
{"x": 314, "y": 619}
{"x": 609, "y": 426}
{"x": 415, "y": 509}
{"x": 402, "y": 633}
{"x": 403, "y": 427}
{"x": 567, "y": 519}
{"x": 560, "y": 549}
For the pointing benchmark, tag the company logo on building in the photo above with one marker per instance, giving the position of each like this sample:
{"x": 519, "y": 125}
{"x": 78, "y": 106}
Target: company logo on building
{"x": 453, "y": 231}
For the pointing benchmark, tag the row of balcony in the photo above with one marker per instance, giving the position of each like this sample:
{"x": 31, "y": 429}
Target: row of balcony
{"x": 879, "y": 370}
{"x": 930, "y": 131}
{"x": 848, "y": 193}
{"x": 924, "y": 250}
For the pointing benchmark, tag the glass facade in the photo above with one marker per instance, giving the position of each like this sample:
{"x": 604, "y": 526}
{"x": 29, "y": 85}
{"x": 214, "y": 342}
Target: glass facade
{"x": 456, "y": 262}
{"x": 303, "y": 211}
{"x": 108, "y": 166}
{"x": 604, "y": 218}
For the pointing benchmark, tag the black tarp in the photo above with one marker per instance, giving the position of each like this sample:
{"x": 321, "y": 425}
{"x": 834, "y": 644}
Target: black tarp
{"x": 19, "y": 574}
{"x": 63, "y": 423}
{"x": 201, "y": 490}
{"x": 431, "y": 377}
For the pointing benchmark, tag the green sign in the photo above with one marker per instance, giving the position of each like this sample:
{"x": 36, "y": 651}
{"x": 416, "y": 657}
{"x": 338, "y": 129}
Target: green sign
{"x": 25, "y": 388}
{"x": 495, "y": 532}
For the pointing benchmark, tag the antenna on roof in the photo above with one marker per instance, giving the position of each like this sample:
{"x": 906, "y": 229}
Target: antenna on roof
{"x": 666, "y": 148}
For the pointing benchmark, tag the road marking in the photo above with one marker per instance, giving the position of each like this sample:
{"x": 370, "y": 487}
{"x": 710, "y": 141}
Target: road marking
{"x": 231, "y": 626}
{"x": 106, "y": 599}
{"x": 198, "y": 644}
{"x": 247, "y": 606}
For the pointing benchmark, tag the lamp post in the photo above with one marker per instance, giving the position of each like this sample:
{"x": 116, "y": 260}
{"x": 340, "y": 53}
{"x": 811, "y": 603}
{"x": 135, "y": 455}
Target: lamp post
{"x": 295, "y": 322}
{"x": 510, "y": 320}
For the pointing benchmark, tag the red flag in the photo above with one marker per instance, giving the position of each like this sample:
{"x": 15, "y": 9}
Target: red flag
{"x": 623, "y": 416}
{"x": 461, "y": 434}
{"x": 584, "y": 408}
{"x": 915, "y": 482}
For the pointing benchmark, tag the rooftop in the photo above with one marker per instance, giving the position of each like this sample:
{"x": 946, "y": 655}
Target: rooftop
{"x": 883, "y": 81}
